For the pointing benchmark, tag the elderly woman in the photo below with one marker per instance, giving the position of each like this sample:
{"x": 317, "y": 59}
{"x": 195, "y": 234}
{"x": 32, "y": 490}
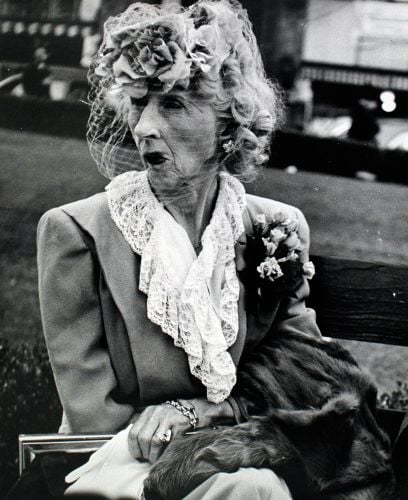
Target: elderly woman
{"x": 146, "y": 306}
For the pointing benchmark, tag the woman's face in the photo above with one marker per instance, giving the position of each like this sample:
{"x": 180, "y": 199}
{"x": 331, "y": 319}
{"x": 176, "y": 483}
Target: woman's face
{"x": 176, "y": 135}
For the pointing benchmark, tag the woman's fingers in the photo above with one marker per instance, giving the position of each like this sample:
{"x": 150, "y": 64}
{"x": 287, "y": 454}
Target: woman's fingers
{"x": 160, "y": 440}
{"x": 133, "y": 445}
{"x": 142, "y": 436}
{"x": 147, "y": 437}
{"x": 134, "y": 441}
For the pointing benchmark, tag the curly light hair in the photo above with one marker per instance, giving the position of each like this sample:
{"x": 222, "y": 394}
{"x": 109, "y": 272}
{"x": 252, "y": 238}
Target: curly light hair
{"x": 229, "y": 71}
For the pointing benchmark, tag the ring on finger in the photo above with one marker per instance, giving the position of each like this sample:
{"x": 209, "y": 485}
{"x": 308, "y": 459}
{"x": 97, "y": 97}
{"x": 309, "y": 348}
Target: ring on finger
{"x": 163, "y": 438}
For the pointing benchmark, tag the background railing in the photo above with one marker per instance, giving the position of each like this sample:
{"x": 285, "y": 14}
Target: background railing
{"x": 355, "y": 75}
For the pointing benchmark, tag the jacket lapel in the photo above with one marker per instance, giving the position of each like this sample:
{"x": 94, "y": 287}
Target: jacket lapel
{"x": 148, "y": 344}
{"x": 115, "y": 256}
{"x": 121, "y": 268}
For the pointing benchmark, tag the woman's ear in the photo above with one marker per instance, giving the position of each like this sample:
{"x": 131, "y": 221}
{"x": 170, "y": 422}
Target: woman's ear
{"x": 226, "y": 141}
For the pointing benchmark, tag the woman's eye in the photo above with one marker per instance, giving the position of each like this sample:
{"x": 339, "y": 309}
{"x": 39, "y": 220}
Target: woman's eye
{"x": 172, "y": 103}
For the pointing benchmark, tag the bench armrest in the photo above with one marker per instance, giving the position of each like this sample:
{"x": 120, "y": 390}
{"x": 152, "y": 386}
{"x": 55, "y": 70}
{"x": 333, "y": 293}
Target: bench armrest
{"x": 31, "y": 445}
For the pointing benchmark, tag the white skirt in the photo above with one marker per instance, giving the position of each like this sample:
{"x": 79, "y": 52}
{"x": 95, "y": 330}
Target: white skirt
{"x": 113, "y": 473}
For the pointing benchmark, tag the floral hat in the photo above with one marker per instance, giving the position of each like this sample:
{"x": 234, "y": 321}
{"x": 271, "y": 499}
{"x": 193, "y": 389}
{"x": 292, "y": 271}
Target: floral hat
{"x": 210, "y": 48}
{"x": 171, "y": 48}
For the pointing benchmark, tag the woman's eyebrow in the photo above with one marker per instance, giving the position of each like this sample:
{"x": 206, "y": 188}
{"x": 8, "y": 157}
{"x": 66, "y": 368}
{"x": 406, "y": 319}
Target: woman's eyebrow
{"x": 186, "y": 100}
{"x": 194, "y": 101}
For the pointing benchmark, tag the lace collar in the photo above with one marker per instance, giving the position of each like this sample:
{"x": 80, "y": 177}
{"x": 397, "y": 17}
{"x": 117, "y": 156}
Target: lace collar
{"x": 194, "y": 299}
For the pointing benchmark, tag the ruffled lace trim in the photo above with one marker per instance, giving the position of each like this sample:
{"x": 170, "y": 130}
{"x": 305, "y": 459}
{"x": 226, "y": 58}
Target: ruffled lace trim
{"x": 186, "y": 311}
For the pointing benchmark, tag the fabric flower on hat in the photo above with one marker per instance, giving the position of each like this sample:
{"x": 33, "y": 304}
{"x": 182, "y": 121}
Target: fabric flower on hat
{"x": 206, "y": 48}
{"x": 171, "y": 49}
{"x": 201, "y": 45}
{"x": 147, "y": 50}
{"x": 210, "y": 41}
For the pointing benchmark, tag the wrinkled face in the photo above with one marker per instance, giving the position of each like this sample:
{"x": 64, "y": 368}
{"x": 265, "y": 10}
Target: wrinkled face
{"x": 176, "y": 135}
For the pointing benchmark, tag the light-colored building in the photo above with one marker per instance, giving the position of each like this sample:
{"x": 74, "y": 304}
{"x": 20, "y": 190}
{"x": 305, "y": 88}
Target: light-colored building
{"x": 365, "y": 33}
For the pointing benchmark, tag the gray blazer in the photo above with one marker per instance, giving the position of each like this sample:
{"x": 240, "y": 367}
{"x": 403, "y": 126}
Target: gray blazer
{"x": 108, "y": 359}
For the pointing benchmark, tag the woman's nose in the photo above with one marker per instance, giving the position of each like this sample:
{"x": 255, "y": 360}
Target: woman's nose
{"x": 148, "y": 125}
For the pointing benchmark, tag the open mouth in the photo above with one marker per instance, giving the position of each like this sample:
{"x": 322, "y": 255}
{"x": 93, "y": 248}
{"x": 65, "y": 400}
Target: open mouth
{"x": 154, "y": 158}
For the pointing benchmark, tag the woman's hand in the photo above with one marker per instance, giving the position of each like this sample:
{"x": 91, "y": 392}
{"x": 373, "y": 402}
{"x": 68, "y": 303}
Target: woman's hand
{"x": 155, "y": 421}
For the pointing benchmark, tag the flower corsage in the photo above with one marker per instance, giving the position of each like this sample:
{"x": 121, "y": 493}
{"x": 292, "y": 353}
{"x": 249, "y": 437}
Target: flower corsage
{"x": 274, "y": 265}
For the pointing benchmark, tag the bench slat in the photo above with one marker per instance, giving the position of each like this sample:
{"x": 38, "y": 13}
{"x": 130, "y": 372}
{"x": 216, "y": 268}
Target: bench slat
{"x": 361, "y": 300}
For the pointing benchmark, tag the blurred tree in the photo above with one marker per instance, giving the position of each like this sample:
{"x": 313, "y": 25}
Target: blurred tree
{"x": 64, "y": 9}
{"x": 38, "y": 9}
{"x": 114, "y": 7}
{"x": 278, "y": 25}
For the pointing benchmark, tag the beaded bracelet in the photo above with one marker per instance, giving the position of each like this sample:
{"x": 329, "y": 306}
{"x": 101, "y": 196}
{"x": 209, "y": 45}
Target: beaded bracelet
{"x": 187, "y": 411}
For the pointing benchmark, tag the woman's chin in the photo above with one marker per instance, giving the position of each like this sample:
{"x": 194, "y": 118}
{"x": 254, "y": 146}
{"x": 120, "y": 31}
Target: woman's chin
{"x": 163, "y": 176}
{"x": 160, "y": 171}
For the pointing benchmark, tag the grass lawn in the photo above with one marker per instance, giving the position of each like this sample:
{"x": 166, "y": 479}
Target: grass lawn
{"x": 348, "y": 218}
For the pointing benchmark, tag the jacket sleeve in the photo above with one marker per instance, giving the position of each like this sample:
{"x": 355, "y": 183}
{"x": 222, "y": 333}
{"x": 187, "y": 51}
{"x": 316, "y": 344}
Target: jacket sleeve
{"x": 73, "y": 327}
{"x": 292, "y": 316}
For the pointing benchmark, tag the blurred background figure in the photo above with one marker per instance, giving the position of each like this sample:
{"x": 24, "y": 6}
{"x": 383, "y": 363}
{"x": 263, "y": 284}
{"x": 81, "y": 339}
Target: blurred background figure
{"x": 364, "y": 124}
{"x": 32, "y": 80}
{"x": 90, "y": 44}
{"x": 36, "y": 76}
{"x": 298, "y": 93}
{"x": 89, "y": 11}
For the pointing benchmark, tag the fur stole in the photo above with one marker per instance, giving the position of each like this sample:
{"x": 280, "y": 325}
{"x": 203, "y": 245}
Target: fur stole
{"x": 312, "y": 420}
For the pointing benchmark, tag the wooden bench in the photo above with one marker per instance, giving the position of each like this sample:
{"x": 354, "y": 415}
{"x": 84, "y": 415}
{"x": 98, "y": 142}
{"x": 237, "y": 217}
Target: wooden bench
{"x": 353, "y": 300}
{"x": 363, "y": 301}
